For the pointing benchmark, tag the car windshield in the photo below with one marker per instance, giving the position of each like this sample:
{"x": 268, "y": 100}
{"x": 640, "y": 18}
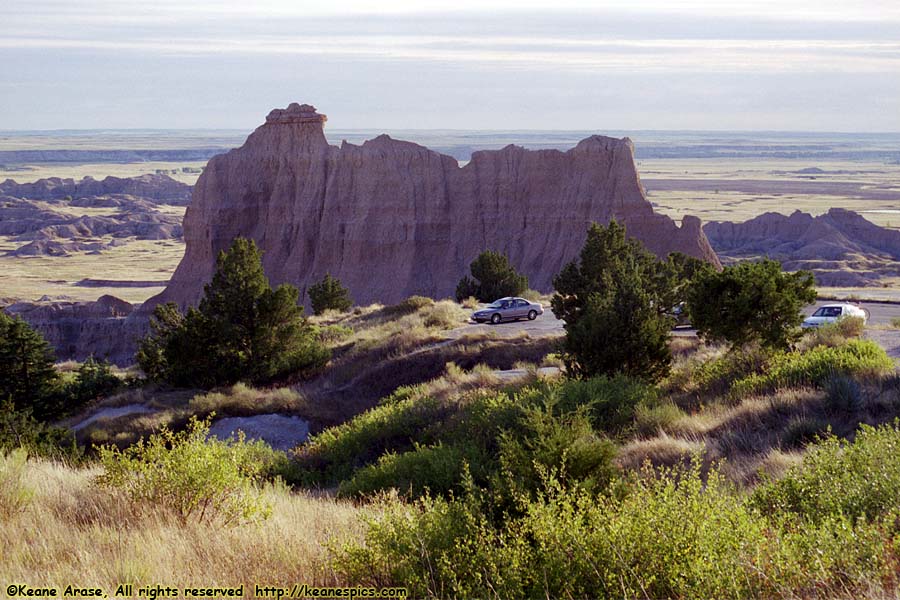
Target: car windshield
{"x": 828, "y": 311}
{"x": 498, "y": 304}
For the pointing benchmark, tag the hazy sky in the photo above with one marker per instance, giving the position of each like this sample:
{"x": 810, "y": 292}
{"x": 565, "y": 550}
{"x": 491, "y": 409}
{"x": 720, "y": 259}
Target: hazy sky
{"x": 555, "y": 64}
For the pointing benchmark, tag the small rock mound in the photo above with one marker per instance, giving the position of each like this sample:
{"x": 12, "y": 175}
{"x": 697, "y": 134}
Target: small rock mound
{"x": 279, "y": 431}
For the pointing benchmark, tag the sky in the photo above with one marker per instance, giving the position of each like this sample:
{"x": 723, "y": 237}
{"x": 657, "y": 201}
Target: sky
{"x": 794, "y": 65}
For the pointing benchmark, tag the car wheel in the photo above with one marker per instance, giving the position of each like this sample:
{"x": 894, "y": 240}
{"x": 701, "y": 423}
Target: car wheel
{"x": 532, "y": 315}
{"x": 495, "y": 318}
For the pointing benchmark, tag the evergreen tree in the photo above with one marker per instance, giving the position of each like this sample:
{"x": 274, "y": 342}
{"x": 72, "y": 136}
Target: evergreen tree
{"x": 329, "y": 294}
{"x": 27, "y": 374}
{"x": 493, "y": 277}
{"x": 750, "y": 302}
{"x": 615, "y": 302}
{"x": 242, "y": 329}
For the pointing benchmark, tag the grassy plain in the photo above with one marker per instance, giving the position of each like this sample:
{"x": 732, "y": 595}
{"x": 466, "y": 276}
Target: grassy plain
{"x": 738, "y": 189}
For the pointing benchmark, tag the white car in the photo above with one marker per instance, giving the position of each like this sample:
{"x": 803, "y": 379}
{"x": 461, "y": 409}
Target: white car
{"x": 829, "y": 313}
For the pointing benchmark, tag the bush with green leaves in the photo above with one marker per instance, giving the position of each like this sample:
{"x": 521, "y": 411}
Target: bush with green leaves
{"x": 816, "y": 367}
{"x": 195, "y": 477}
{"x": 750, "y": 302}
{"x": 27, "y": 375}
{"x": 671, "y": 533}
{"x": 19, "y": 429}
{"x": 492, "y": 278}
{"x": 859, "y": 478}
{"x": 329, "y": 294}
{"x": 93, "y": 380}
{"x": 242, "y": 330}
{"x": 437, "y": 469}
{"x": 415, "y": 442}
{"x": 616, "y": 302}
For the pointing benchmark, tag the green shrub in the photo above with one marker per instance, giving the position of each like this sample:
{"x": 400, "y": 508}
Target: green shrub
{"x": 494, "y": 278}
{"x": 565, "y": 445}
{"x": 672, "y": 534}
{"x": 437, "y": 469}
{"x": 93, "y": 380}
{"x": 651, "y": 418}
{"x": 610, "y": 402}
{"x": 334, "y": 454}
{"x": 329, "y": 294}
{"x": 19, "y": 429}
{"x": 834, "y": 334}
{"x": 839, "y": 478}
{"x": 718, "y": 375}
{"x": 196, "y": 478}
{"x": 436, "y": 548}
{"x": 814, "y": 367}
{"x": 15, "y": 495}
{"x": 895, "y": 322}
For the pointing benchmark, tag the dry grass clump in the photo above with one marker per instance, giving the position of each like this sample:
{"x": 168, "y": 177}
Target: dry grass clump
{"x": 74, "y": 531}
{"x": 832, "y": 334}
{"x": 241, "y": 400}
{"x": 660, "y": 450}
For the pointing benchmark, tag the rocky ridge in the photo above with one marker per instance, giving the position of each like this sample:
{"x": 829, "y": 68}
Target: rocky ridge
{"x": 840, "y": 247}
{"x": 391, "y": 218}
{"x": 160, "y": 189}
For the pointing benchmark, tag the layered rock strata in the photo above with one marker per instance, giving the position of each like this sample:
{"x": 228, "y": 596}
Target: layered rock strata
{"x": 391, "y": 218}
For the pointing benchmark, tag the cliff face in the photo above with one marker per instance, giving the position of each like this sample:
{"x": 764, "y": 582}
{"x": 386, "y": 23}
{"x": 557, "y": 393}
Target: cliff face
{"x": 78, "y": 330}
{"x": 392, "y": 218}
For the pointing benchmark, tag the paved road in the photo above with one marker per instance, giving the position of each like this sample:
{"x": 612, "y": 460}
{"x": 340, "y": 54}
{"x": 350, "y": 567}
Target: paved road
{"x": 880, "y": 313}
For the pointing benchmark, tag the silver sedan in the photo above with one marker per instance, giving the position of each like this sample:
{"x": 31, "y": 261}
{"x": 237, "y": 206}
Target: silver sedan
{"x": 508, "y": 309}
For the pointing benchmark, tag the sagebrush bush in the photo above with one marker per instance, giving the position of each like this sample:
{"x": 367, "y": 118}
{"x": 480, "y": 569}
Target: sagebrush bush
{"x": 201, "y": 479}
{"x": 833, "y": 334}
{"x": 15, "y": 495}
{"x": 814, "y": 367}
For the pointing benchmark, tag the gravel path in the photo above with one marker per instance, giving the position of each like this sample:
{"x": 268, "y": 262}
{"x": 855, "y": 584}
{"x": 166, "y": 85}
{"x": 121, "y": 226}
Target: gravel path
{"x": 112, "y": 413}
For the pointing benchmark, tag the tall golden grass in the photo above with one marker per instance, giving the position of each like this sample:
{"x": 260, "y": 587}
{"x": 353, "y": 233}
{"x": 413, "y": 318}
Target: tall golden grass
{"x": 73, "y": 531}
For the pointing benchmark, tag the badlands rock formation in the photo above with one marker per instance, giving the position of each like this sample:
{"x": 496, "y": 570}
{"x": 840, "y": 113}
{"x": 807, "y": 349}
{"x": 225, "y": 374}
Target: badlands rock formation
{"x": 161, "y": 189}
{"x": 44, "y": 230}
{"x": 840, "y": 247}
{"x": 77, "y": 330}
{"x": 392, "y": 218}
